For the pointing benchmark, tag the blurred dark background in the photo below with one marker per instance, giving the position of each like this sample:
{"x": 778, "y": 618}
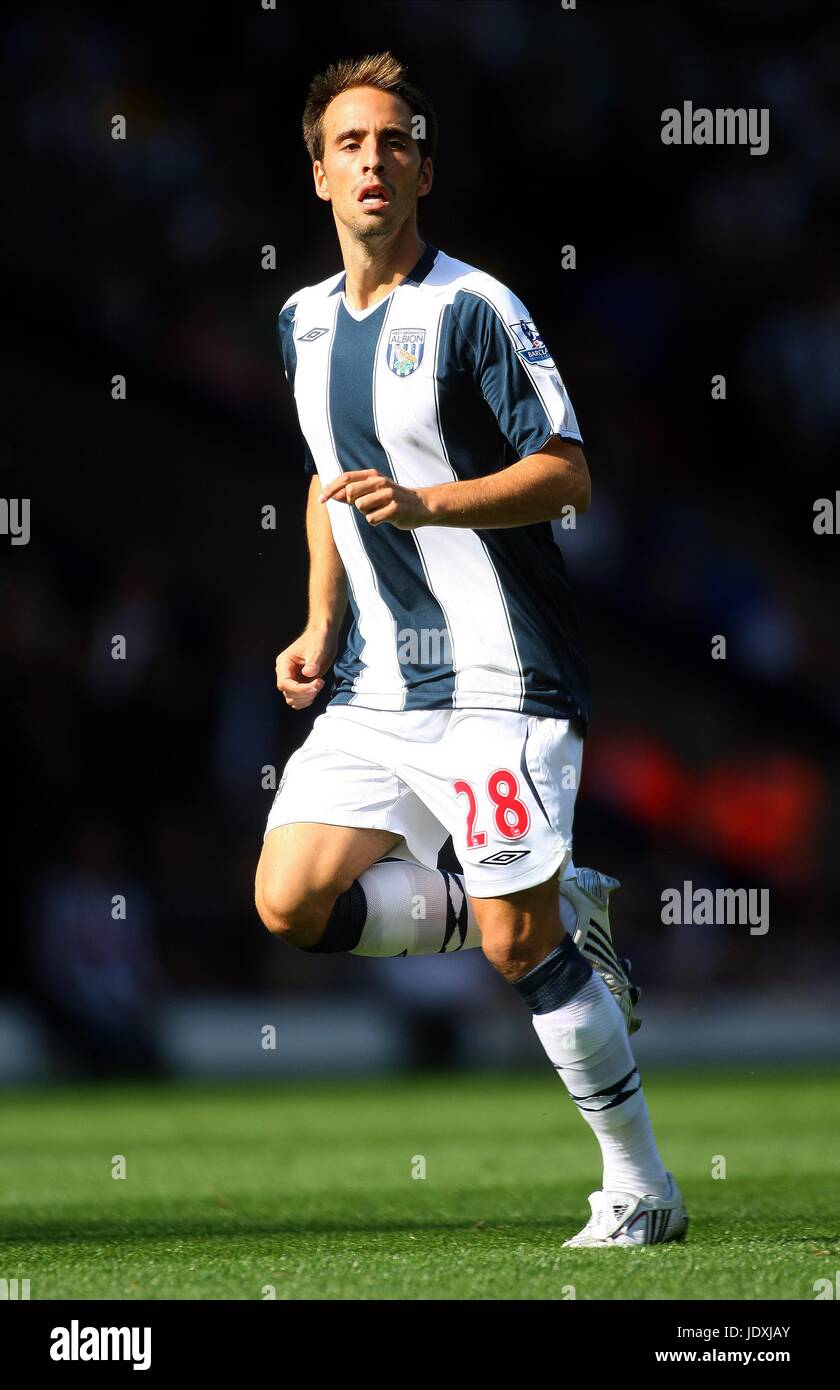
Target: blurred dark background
{"x": 144, "y": 777}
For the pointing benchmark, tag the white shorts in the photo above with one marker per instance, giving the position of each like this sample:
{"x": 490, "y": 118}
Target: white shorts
{"x": 502, "y": 784}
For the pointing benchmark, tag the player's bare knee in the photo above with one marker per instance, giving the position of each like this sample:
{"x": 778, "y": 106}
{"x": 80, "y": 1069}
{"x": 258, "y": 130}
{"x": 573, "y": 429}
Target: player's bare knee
{"x": 511, "y": 960}
{"x": 300, "y": 923}
{"x": 297, "y": 915}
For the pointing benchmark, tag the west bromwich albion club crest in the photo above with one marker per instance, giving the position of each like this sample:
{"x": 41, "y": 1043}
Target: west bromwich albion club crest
{"x": 405, "y": 350}
{"x": 531, "y": 346}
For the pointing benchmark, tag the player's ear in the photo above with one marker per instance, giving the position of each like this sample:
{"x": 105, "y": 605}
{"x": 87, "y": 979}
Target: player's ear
{"x": 424, "y": 182}
{"x": 319, "y": 174}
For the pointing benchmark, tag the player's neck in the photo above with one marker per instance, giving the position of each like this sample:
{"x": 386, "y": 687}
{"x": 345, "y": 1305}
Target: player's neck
{"x": 373, "y": 271}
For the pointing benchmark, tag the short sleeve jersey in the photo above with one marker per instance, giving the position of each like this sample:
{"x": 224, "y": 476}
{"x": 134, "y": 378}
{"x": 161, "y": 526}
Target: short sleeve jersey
{"x": 446, "y": 378}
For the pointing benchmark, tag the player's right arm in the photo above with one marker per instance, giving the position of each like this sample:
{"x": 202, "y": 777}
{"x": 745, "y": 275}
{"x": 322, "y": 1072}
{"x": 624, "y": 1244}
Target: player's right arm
{"x": 302, "y": 666}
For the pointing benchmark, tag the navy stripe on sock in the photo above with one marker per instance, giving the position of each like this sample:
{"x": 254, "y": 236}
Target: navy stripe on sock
{"x": 617, "y": 1093}
{"x": 556, "y": 980}
{"x": 345, "y": 923}
{"x": 454, "y": 920}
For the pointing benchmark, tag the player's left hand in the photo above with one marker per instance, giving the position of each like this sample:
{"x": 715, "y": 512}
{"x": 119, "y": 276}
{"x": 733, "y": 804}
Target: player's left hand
{"x": 379, "y": 499}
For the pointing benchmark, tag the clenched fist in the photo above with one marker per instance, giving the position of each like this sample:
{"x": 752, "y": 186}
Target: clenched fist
{"x": 302, "y": 665}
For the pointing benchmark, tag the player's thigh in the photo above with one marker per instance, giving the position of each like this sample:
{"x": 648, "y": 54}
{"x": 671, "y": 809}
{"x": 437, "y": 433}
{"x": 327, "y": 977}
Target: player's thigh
{"x": 305, "y": 865}
{"x": 339, "y": 807}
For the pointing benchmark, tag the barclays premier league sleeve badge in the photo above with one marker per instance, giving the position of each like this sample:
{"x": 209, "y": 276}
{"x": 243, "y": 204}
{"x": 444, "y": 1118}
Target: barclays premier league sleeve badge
{"x": 531, "y": 346}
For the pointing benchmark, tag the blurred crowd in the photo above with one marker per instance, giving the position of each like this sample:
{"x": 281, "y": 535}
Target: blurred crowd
{"x": 145, "y": 778}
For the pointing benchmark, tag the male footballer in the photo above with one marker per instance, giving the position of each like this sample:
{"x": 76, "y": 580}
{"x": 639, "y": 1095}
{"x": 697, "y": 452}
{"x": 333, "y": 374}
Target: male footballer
{"x": 441, "y": 442}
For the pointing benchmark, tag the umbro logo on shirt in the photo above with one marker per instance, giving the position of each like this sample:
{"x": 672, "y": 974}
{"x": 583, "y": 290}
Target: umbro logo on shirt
{"x": 312, "y": 335}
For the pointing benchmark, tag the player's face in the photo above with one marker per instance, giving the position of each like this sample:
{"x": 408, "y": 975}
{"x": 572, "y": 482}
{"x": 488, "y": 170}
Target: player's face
{"x": 372, "y": 171}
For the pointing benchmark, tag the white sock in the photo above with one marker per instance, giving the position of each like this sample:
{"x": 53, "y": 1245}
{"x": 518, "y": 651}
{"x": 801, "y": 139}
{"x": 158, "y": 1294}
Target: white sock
{"x": 399, "y": 891}
{"x": 586, "y": 1041}
{"x": 414, "y": 911}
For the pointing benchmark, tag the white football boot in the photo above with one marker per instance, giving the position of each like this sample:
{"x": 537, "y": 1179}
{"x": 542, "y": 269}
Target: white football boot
{"x": 588, "y": 894}
{"x": 622, "y": 1218}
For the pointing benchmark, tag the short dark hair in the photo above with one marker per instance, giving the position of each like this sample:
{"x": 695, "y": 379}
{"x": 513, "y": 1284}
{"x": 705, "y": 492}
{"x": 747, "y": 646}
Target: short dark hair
{"x": 380, "y": 70}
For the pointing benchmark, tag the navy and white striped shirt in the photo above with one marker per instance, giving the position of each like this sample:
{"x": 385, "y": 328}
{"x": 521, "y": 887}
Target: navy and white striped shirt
{"x": 446, "y": 378}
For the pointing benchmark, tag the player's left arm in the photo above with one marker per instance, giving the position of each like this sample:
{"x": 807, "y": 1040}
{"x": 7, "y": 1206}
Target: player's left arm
{"x": 537, "y": 488}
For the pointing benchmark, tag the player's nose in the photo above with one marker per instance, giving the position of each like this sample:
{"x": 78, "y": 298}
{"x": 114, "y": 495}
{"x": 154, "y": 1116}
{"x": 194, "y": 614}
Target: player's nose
{"x": 373, "y": 160}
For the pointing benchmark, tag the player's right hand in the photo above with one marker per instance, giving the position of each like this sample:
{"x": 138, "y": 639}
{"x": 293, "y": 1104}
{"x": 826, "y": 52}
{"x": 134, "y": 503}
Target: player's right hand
{"x": 301, "y": 666}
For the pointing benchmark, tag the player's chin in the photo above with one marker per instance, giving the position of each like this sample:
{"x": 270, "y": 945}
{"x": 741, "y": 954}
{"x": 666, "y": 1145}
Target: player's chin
{"x": 375, "y": 222}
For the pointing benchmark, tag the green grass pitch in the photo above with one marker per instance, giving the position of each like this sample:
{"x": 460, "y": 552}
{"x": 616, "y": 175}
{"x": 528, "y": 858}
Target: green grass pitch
{"x": 307, "y": 1187}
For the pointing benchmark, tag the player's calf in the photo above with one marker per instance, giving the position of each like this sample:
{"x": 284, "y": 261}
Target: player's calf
{"x": 519, "y": 930}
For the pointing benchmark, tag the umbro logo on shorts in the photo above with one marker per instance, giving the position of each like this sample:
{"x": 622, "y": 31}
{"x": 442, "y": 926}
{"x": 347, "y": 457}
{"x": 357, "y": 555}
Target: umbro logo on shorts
{"x": 505, "y": 856}
{"x": 312, "y": 335}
